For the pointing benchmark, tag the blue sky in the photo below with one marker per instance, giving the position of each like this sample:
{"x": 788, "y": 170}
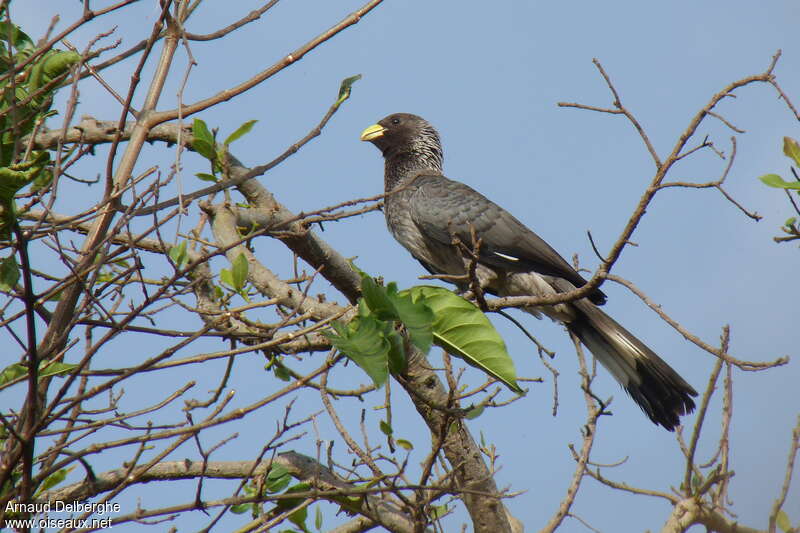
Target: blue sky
{"x": 488, "y": 76}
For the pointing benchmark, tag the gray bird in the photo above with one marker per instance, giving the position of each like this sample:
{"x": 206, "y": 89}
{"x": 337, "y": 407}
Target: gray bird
{"x": 440, "y": 221}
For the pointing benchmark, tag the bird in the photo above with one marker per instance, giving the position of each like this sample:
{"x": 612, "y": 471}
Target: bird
{"x": 449, "y": 227}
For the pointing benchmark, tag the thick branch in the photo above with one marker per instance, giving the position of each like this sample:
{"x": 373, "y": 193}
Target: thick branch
{"x": 300, "y": 466}
{"x": 689, "y": 512}
{"x": 485, "y": 506}
{"x": 227, "y": 235}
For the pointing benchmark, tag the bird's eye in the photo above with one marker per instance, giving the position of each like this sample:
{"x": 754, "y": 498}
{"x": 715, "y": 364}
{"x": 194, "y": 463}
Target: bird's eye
{"x": 395, "y": 121}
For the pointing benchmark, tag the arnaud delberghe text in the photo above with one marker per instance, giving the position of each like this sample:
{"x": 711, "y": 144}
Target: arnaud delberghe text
{"x": 63, "y": 507}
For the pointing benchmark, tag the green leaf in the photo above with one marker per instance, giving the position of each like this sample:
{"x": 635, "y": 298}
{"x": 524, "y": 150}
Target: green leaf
{"x": 377, "y": 299}
{"x": 239, "y": 271}
{"x": 782, "y": 521}
{"x": 105, "y": 276}
{"x": 439, "y": 511}
{"x": 206, "y": 177}
{"x": 388, "y": 304}
{"x": 279, "y": 484}
{"x": 416, "y": 316}
{"x": 202, "y": 140}
{"x": 16, "y": 370}
{"x": 12, "y": 179}
{"x": 386, "y": 429}
{"x": 397, "y": 353}
{"x": 19, "y": 39}
{"x": 205, "y": 149}
{"x": 773, "y": 180}
{"x": 318, "y": 518}
{"x": 278, "y": 478}
{"x": 56, "y": 64}
{"x": 54, "y": 369}
{"x": 242, "y": 130}
{"x": 240, "y": 508}
{"x": 345, "y": 88}
{"x": 362, "y": 341}
{"x": 281, "y": 372}
{"x": 201, "y": 132}
{"x": 12, "y": 372}
{"x": 243, "y": 294}
{"x": 225, "y": 277}
{"x": 277, "y": 471}
{"x": 792, "y": 149}
{"x": 178, "y": 254}
{"x": 288, "y": 503}
{"x": 299, "y": 517}
{"x": 406, "y": 445}
{"x": 475, "y": 412}
{"x": 41, "y": 181}
{"x": 48, "y": 67}
{"x": 790, "y": 221}
{"x": 54, "y": 479}
{"x": 9, "y": 273}
{"x": 464, "y": 331}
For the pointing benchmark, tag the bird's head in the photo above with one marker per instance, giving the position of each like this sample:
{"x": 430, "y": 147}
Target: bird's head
{"x": 406, "y": 135}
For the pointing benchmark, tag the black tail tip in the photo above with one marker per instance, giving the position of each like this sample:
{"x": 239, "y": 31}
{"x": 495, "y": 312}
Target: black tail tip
{"x": 664, "y": 405}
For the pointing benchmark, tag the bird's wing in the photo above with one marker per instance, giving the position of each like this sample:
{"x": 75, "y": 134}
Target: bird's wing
{"x": 443, "y": 209}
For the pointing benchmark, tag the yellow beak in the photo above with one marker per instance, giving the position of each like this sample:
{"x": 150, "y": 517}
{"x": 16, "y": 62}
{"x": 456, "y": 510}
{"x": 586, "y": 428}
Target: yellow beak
{"x": 373, "y": 132}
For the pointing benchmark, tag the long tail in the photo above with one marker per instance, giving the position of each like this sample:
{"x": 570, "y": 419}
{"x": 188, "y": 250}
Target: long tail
{"x": 660, "y": 392}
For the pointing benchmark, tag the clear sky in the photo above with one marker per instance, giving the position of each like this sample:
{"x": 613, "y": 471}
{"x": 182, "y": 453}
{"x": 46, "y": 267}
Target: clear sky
{"x": 488, "y": 76}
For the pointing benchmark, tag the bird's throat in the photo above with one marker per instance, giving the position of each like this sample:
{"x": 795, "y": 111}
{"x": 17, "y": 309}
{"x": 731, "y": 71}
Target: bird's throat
{"x": 401, "y": 167}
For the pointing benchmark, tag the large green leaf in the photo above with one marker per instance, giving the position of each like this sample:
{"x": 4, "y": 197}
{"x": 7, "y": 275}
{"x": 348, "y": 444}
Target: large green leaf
{"x": 239, "y": 269}
{"x": 464, "y": 331}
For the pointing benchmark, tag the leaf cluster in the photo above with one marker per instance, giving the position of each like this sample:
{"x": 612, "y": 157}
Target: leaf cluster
{"x": 25, "y": 101}
{"x": 791, "y": 149}
{"x": 204, "y": 142}
{"x": 428, "y": 315}
{"x": 277, "y": 481}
